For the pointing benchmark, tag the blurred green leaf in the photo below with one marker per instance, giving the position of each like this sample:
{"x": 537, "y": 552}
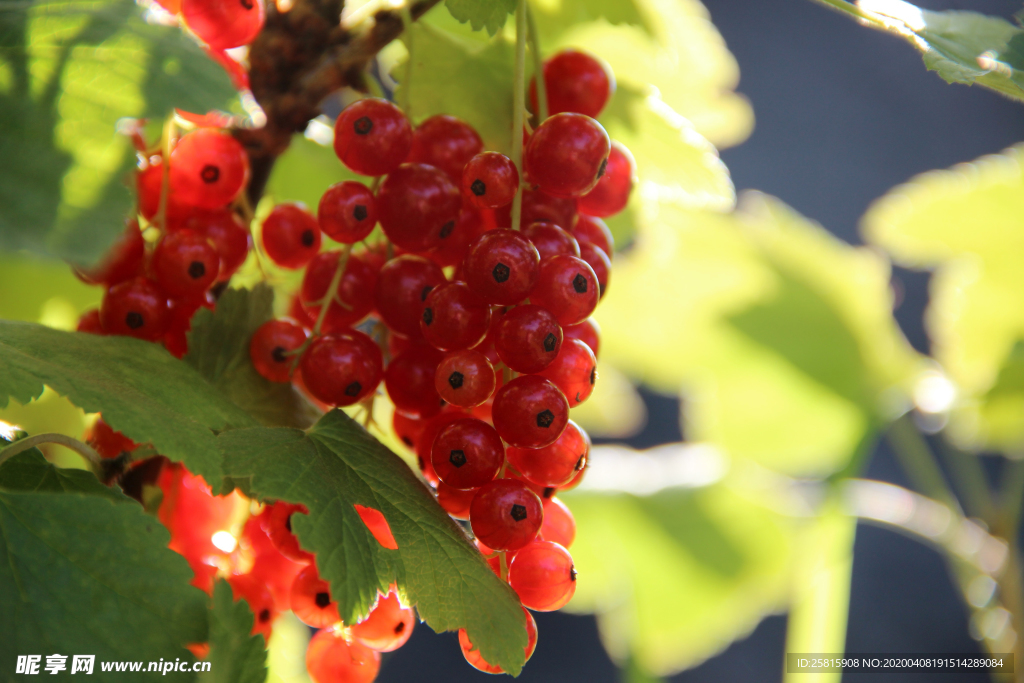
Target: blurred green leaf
{"x": 29, "y": 471}
{"x": 38, "y": 290}
{"x": 49, "y": 413}
{"x": 964, "y": 223}
{"x": 338, "y": 465}
{"x": 76, "y": 67}
{"x": 305, "y": 171}
{"x": 489, "y": 14}
{"x": 235, "y": 656}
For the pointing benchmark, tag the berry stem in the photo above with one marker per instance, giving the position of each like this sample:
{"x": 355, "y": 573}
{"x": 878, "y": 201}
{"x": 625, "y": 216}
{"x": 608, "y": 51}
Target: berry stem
{"x": 538, "y": 67}
{"x": 503, "y": 563}
{"x": 519, "y": 109}
{"x": 325, "y": 304}
{"x": 84, "y": 450}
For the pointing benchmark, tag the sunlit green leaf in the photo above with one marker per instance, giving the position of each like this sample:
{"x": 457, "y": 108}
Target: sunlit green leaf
{"x": 305, "y": 171}
{"x": 489, "y": 14}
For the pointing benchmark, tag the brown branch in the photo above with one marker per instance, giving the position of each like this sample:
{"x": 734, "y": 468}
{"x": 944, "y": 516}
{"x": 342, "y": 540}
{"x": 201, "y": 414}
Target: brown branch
{"x": 300, "y": 58}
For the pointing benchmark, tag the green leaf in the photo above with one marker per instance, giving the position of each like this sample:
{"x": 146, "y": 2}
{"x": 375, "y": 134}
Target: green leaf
{"x": 219, "y": 350}
{"x": 72, "y": 69}
{"x": 48, "y": 292}
{"x": 305, "y": 171}
{"x": 338, "y": 465}
{"x": 83, "y": 574}
{"x": 235, "y": 656}
{"x": 141, "y": 389}
{"x": 964, "y": 223}
{"x": 29, "y": 471}
{"x": 489, "y": 14}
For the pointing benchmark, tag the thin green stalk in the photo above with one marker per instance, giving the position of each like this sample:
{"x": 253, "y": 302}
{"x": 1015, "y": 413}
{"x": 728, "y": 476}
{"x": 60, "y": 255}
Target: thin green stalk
{"x": 519, "y": 108}
{"x": 969, "y": 480}
{"x": 919, "y": 463}
{"x": 1011, "y": 497}
{"x": 83, "y": 449}
{"x": 538, "y": 67}
{"x": 850, "y": 9}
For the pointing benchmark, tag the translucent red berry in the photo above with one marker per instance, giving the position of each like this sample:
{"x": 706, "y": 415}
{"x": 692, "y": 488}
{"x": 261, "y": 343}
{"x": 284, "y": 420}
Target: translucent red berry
{"x": 574, "y": 371}
{"x": 576, "y": 82}
{"x": 611, "y": 194}
{"x": 447, "y": 143}
{"x": 372, "y": 136}
{"x": 108, "y": 442}
{"x": 551, "y": 240}
{"x": 465, "y": 378}
{"x": 452, "y": 249}
{"x": 224, "y": 24}
{"x": 530, "y": 412}
{"x": 454, "y": 317}
{"x": 407, "y": 429}
{"x": 467, "y": 453}
{"x": 426, "y": 441}
{"x": 277, "y": 524}
{"x": 502, "y": 266}
{"x": 594, "y": 230}
{"x": 270, "y": 346}
{"x": 254, "y": 591}
{"x": 135, "y": 308}
{"x": 291, "y": 236}
{"x": 455, "y": 501}
{"x": 123, "y": 260}
{"x": 388, "y": 626}
{"x": 506, "y": 514}
{"x": 311, "y": 599}
{"x": 179, "y": 322}
{"x": 540, "y": 206}
{"x": 587, "y": 332}
{"x": 342, "y": 368}
{"x": 402, "y": 290}
{"x": 543, "y": 576}
{"x": 229, "y": 238}
{"x": 332, "y": 658}
{"x": 528, "y": 338}
{"x": 555, "y": 464}
{"x": 354, "y": 297}
{"x": 209, "y": 169}
{"x": 568, "y": 288}
{"x": 90, "y": 322}
{"x": 409, "y": 380}
{"x": 347, "y": 212}
{"x": 559, "y": 524}
{"x": 476, "y": 660}
{"x": 418, "y": 206}
{"x": 567, "y": 155}
{"x": 490, "y": 180}
{"x": 185, "y": 263}
{"x": 598, "y": 260}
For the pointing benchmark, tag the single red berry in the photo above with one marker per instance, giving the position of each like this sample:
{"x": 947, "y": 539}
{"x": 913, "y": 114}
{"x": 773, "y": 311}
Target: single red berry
{"x": 490, "y": 180}
{"x": 270, "y": 345}
{"x": 425, "y": 443}
{"x": 587, "y": 332}
{"x": 595, "y": 231}
{"x": 224, "y": 24}
{"x": 611, "y": 194}
{"x": 530, "y": 412}
{"x": 576, "y": 480}
{"x": 277, "y": 524}
{"x": 527, "y": 338}
{"x": 418, "y": 206}
{"x": 298, "y": 312}
{"x": 477, "y": 661}
{"x": 291, "y": 236}
{"x": 179, "y": 322}
{"x": 576, "y": 81}
{"x": 409, "y": 380}
{"x": 332, "y": 658}
{"x": 598, "y": 260}
{"x": 467, "y": 453}
{"x": 229, "y": 238}
{"x": 347, "y": 212}
{"x": 452, "y": 249}
{"x": 209, "y": 169}
{"x": 551, "y": 240}
{"x": 506, "y": 514}
{"x": 255, "y": 592}
{"x": 107, "y": 442}
{"x": 311, "y": 599}
{"x": 559, "y": 524}
{"x": 555, "y": 464}
{"x": 543, "y": 576}
{"x": 123, "y": 260}
{"x": 538, "y": 206}
{"x": 455, "y": 501}
{"x": 402, "y": 290}
{"x": 567, "y": 155}
{"x": 388, "y": 626}
{"x": 447, "y": 143}
{"x": 465, "y": 378}
{"x": 269, "y": 565}
{"x": 454, "y": 317}
{"x": 135, "y": 308}
{"x": 502, "y": 266}
{"x": 372, "y": 136}
{"x": 568, "y": 288}
{"x": 354, "y": 298}
{"x": 185, "y": 263}
{"x": 407, "y": 429}
{"x": 342, "y": 368}
{"x": 574, "y": 371}
{"x": 90, "y": 322}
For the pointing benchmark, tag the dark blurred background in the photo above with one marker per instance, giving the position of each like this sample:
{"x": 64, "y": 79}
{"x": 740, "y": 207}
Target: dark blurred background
{"x": 843, "y": 114}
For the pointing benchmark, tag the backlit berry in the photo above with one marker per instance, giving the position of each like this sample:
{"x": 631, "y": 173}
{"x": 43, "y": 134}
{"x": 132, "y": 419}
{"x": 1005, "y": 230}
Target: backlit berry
{"x": 587, "y": 332}
{"x": 551, "y": 240}
{"x": 567, "y": 155}
{"x": 291, "y": 236}
{"x": 409, "y": 380}
{"x": 343, "y": 368}
{"x": 270, "y": 346}
{"x": 332, "y": 658}
{"x": 555, "y": 464}
{"x": 347, "y": 212}
{"x": 502, "y": 266}
{"x": 224, "y": 24}
{"x": 598, "y": 260}
{"x": 490, "y": 180}
{"x": 209, "y": 169}
{"x": 576, "y": 82}
{"x": 595, "y": 231}
{"x": 465, "y": 378}
{"x": 530, "y": 412}
{"x": 474, "y": 658}
{"x": 372, "y": 136}
{"x": 123, "y": 260}
{"x": 447, "y": 143}
{"x": 135, "y": 308}
{"x": 559, "y": 525}
{"x": 568, "y": 288}
{"x": 506, "y": 514}
{"x": 543, "y": 576}
{"x": 418, "y": 206}
{"x": 311, "y": 599}
{"x": 574, "y": 371}
{"x": 467, "y": 453}
{"x": 527, "y": 338}
{"x": 402, "y": 290}
{"x": 354, "y": 298}
{"x": 454, "y": 317}
{"x": 388, "y": 626}
{"x": 611, "y": 194}
{"x": 185, "y": 263}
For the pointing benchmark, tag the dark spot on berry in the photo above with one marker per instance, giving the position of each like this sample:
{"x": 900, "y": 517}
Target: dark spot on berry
{"x": 323, "y": 599}
{"x": 579, "y": 283}
{"x": 407, "y": 441}
{"x": 600, "y": 171}
{"x": 518, "y": 512}
{"x": 455, "y": 380}
{"x": 478, "y": 187}
{"x": 288, "y": 523}
{"x": 353, "y": 389}
{"x": 134, "y": 320}
{"x": 359, "y": 213}
{"x": 422, "y": 463}
{"x": 210, "y": 174}
{"x": 400, "y": 626}
{"x": 196, "y": 270}
{"x": 572, "y": 573}
{"x": 548, "y": 491}
{"x": 428, "y": 316}
{"x": 581, "y": 462}
{"x": 550, "y": 341}
{"x": 457, "y": 458}
{"x": 447, "y": 228}
{"x": 578, "y": 399}
{"x": 363, "y": 125}
{"x": 545, "y": 418}
{"x": 501, "y": 272}
{"x": 264, "y": 615}
{"x": 426, "y": 291}
{"x": 247, "y": 4}
{"x": 308, "y": 238}
{"x": 593, "y": 375}
{"x": 278, "y": 354}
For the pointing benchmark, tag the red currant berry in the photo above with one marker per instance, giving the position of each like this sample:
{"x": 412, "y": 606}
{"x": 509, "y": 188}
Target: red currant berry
{"x": 224, "y": 24}
{"x": 502, "y": 267}
{"x": 270, "y": 346}
{"x": 90, "y": 322}
{"x": 291, "y": 236}
{"x": 229, "y": 239}
{"x": 135, "y": 308}
{"x": 209, "y": 169}
{"x": 490, "y": 180}
{"x": 505, "y": 514}
{"x": 543, "y": 576}
{"x": 574, "y": 371}
{"x": 530, "y": 412}
{"x": 389, "y": 625}
{"x": 538, "y": 206}
{"x": 567, "y": 155}
{"x": 555, "y": 464}
{"x": 551, "y": 240}
{"x": 611, "y": 194}
{"x": 107, "y": 442}
{"x": 425, "y": 443}
{"x": 179, "y": 323}
{"x": 454, "y": 317}
{"x": 409, "y": 380}
{"x": 455, "y": 501}
{"x": 372, "y": 136}
{"x": 298, "y": 312}
{"x": 123, "y": 260}
{"x": 355, "y": 291}
{"x": 527, "y": 338}
{"x": 277, "y": 524}
{"x": 477, "y": 661}
{"x": 311, "y": 599}
{"x": 568, "y": 288}
{"x": 331, "y": 658}
{"x": 418, "y": 206}
{"x": 453, "y": 248}
{"x": 269, "y": 565}
{"x": 347, "y": 212}
{"x": 576, "y": 82}
{"x": 402, "y": 290}
{"x": 447, "y": 143}
{"x": 594, "y": 231}
{"x": 467, "y": 454}
{"x": 185, "y": 263}
{"x": 587, "y": 332}
{"x": 407, "y": 429}
{"x": 465, "y": 378}
{"x": 261, "y": 602}
{"x": 598, "y": 260}
{"x": 559, "y": 525}
{"x": 343, "y": 368}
